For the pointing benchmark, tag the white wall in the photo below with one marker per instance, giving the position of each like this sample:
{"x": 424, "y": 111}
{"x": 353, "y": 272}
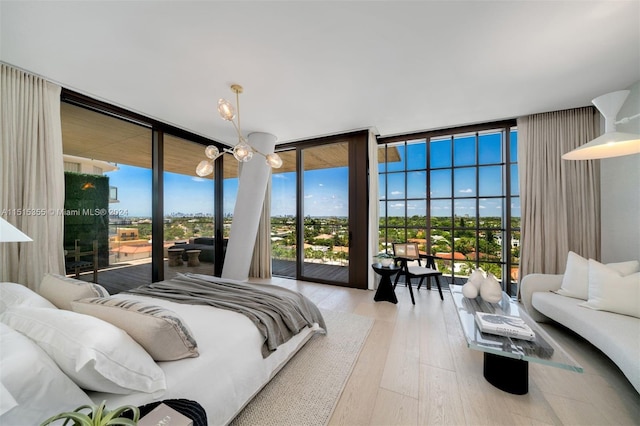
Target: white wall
{"x": 620, "y": 188}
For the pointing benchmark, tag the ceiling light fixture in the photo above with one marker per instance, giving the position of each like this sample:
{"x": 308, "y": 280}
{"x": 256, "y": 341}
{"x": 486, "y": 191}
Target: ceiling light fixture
{"x": 242, "y": 151}
{"x": 611, "y": 143}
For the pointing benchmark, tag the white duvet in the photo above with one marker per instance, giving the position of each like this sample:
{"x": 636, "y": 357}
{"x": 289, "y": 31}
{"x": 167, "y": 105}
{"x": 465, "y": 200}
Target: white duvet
{"x": 230, "y": 369}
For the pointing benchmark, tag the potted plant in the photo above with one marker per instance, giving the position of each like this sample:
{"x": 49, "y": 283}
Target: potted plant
{"x": 98, "y": 415}
{"x": 385, "y": 259}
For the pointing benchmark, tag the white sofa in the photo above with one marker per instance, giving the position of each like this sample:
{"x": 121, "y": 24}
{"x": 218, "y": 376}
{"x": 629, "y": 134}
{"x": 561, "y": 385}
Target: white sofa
{"x": 616, "y": 335}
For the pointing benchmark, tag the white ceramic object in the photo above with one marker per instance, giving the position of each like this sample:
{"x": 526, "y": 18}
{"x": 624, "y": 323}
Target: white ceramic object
{"x": 476, "y": 278}
{"x": 469, "y": 291}
{"x": 386, "y": 261}
{"x": 490, "y": 289}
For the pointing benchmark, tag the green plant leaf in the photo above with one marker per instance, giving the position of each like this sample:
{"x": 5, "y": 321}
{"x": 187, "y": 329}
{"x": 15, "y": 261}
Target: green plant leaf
{"x": 98, "y": 415}
{"x": 80, "y": 419}
{"x": 121, "y": 421}
{"x": 113, "y": 417}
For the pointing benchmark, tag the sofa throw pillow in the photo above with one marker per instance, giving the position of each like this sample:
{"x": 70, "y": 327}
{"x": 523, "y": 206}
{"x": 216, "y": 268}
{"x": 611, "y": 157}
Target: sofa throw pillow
{"x": 575, "y": 281}
{"x": 13, "y": 294}
{"x": 611, "y": 291}
{"x": 61, "y": 290}
{"x": 161, "y": 332}
{"x": 96, "y": 355}
{"x": 32, "y": 386}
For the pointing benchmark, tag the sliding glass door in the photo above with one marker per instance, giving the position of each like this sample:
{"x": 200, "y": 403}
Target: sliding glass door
{"x": 325, "y": 212}
{"x": 319, "y": 211}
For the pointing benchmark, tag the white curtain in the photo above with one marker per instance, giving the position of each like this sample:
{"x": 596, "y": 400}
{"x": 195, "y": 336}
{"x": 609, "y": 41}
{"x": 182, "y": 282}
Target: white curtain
{"x": 261, "y": 260}
{"x": 374, "y": 208}
{"x": 560, "y": 199}
{"x": 31, "y": 176}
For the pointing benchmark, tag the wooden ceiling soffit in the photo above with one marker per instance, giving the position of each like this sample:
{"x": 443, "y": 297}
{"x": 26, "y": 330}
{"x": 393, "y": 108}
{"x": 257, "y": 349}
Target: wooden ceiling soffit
{"x": 89, "y": 134}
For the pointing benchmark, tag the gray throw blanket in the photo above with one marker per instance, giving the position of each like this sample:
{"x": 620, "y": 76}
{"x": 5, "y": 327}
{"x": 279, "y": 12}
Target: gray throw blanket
{"x": 277, "y": 312}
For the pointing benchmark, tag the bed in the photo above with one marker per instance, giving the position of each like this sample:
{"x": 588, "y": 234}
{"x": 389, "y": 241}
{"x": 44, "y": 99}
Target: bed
{"x": 223, "y": 373}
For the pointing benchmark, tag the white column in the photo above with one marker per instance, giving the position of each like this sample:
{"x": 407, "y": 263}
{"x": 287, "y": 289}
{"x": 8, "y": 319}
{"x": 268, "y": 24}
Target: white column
{"x": 246, "y": 213}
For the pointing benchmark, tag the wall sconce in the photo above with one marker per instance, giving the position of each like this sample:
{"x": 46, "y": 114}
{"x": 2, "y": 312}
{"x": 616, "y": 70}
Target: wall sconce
{"x": 611, "y": 143}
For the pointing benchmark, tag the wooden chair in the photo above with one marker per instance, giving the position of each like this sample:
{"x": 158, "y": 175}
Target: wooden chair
{"x": 405, "y": 252}
{"x": 76, "y": 264}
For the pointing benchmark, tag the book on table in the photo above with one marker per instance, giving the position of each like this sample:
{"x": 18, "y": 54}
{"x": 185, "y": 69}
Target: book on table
{"x": 504, "y": 325}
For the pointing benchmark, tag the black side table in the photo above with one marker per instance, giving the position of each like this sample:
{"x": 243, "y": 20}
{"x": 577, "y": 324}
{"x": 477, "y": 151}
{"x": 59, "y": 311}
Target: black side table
{"x": 385, "y": 288}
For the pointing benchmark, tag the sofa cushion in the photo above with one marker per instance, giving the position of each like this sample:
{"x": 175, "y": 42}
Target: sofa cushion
{"x": 611, "y": 291}
{"x": 209, "y": 241}
{"x": 618, "y": 336}
{"x": 575, "y": 282}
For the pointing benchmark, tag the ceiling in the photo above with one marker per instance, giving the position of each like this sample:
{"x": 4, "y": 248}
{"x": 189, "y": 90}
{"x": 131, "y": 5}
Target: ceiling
{"x": 318, "y": 68}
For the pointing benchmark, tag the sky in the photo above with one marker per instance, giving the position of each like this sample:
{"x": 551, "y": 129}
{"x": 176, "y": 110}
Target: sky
{"x": 326, "y": 190}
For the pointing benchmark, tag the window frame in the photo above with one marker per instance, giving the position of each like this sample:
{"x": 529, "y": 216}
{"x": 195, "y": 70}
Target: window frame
{"x": 403, "y": 226}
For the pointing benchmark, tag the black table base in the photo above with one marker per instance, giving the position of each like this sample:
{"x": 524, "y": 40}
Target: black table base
{"x": 385, "y": 292}
{"x": 508, "y": 374}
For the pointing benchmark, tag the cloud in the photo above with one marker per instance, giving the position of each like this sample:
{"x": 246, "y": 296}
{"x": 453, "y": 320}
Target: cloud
{"x": 321, "y": 184}
{"x": 396, "y": 205}
{"x": 466, "y": 191}
{"x": 308, "y": 196}
{"x": 396, "y": 192}
{"x": 199, "y": 179}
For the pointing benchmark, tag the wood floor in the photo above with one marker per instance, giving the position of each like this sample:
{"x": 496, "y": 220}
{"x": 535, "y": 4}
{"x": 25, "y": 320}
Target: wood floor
{"x": 415, "y": 369}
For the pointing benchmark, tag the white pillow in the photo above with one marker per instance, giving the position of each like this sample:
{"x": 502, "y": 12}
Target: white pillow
{"x": 610, "y": 291}
{"x": 12, "y": 294}
{"x": 32, "y": 387}
{"x": 93, "y": 353}
{"x": 61, "y": 290}
{"x": 161, "y": 332}
{"x": 575, "y": 281}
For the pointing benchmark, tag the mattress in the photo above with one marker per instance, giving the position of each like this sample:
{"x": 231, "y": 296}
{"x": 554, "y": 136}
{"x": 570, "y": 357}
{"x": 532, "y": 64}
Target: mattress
{"x": 230, "y": 370}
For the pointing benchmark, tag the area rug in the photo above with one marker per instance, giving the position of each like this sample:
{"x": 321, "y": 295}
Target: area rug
{"x": 306, "y": 391}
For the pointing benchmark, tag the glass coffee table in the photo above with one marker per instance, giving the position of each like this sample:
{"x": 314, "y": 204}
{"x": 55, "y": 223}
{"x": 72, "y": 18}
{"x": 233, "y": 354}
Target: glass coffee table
{"x": 506, "y": 359}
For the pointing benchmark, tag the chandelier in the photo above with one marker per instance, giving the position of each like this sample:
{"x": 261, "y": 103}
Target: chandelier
{"x": 242, "y": 151}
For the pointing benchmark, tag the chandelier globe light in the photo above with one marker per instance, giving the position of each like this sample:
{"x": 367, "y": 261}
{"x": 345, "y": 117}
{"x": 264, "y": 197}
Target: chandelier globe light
{"x": 242, "y": 151}
{"x": 612, "y": 143}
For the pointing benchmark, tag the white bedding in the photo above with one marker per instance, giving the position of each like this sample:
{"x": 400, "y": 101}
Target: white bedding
{"x": 230, "y": 369}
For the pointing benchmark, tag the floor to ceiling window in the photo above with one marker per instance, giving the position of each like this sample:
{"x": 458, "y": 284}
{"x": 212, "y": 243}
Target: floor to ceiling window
{"x": 188, "y": 201}
{"x": 318, "y": 225}
{"x": 131, "y": 189}
{"x": 107, "y": 195}
{"x": 455, "y": 193}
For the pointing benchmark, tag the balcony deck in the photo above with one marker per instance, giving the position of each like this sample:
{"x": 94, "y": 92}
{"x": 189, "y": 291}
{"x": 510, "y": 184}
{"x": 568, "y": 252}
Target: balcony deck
{"x": 124, "y": 276}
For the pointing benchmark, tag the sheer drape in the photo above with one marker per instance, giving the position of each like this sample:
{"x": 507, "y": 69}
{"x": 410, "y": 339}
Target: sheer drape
{"x": 374, "y": 207}
{"x": 560, "y": 199}
{"x": 261, "y": 260}
{"x": 31, "y": 176}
